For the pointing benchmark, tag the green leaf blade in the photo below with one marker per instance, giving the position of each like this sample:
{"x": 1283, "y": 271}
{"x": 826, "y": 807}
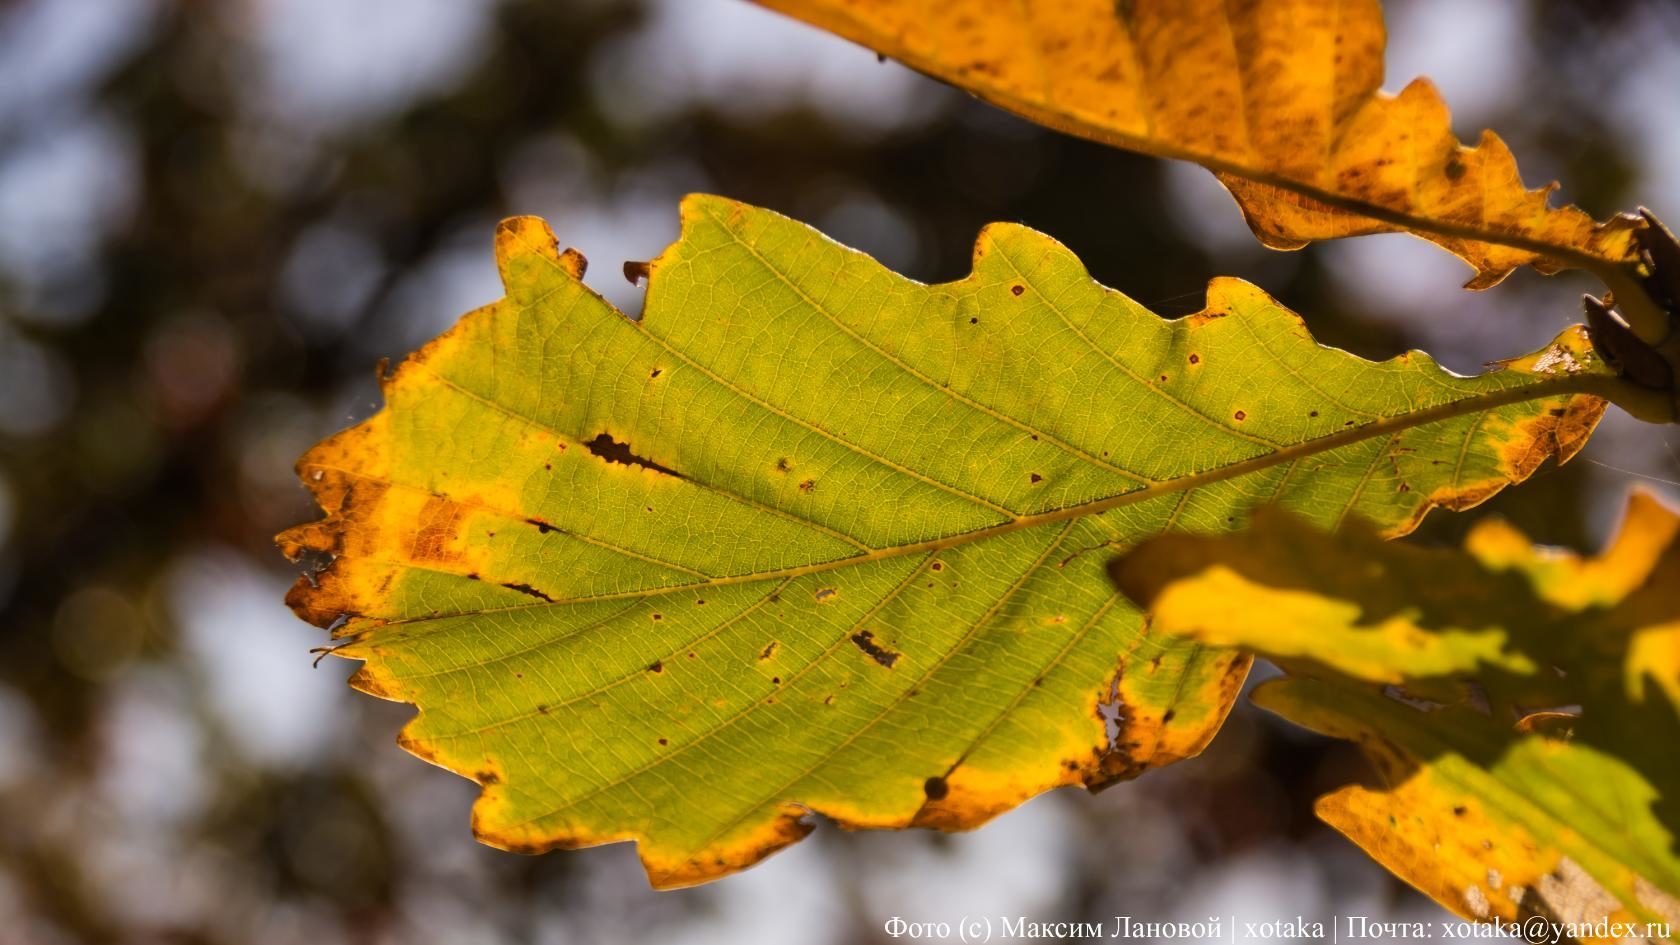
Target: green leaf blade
{"x": 811, "y": 537}
{"x": 1518, "y": 703}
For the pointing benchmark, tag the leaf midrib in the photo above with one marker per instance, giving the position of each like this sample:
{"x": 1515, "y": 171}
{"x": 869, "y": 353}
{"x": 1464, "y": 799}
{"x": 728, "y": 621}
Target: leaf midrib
{"x": 1584, "y": 383}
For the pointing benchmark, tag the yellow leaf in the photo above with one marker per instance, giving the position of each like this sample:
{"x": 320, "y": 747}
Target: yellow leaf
{"x": 1280, "y": 98}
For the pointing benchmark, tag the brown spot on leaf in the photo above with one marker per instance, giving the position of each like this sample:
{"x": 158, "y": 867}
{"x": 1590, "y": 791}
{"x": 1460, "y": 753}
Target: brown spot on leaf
{"x": 865, "y": 641}
{"x": 657, "y": 666}
{"x": 613, "y": 451}
{"x": 1017, "y": 289}
{"x": 440, "y": 521}
{"x": 636, "y": 272}
{"x": 527, "y": 590}
{"x": 935, "y": 788}
{"x": 826, "y": 594}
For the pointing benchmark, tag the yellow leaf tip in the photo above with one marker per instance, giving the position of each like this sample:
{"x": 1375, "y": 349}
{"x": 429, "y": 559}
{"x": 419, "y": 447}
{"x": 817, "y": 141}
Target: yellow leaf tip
{"x": 1229, "y": 295}
{"x": 698, "y": 206}
{"x": 520, "y": 239}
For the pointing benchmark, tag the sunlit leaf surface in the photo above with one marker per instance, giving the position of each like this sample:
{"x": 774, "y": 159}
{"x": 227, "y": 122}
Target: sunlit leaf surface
{"x": 812, "y": 538}
{"x": 1281, "y": 98}
{"x": 1521, "y": 704}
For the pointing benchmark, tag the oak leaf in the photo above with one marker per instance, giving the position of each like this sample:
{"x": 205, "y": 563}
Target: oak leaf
{"x": 809, "y": 538}
{"x": 1520, "y": 704}
{"x": 1281, "y": 99}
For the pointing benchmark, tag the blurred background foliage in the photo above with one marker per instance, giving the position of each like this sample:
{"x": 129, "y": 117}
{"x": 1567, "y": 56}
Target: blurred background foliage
{"x": 216, "y": 217}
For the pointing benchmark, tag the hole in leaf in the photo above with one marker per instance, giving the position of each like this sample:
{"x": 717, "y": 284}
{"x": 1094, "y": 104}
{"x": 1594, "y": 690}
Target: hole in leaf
{"x": 865, "y": 641}
{"x": 527, "y": 590}
{"x": 613, "y": 451}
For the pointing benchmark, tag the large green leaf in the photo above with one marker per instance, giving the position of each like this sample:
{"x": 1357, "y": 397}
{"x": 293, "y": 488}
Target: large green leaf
{"x": 811, "y": 537}
{"x": 1522, "y": 705}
